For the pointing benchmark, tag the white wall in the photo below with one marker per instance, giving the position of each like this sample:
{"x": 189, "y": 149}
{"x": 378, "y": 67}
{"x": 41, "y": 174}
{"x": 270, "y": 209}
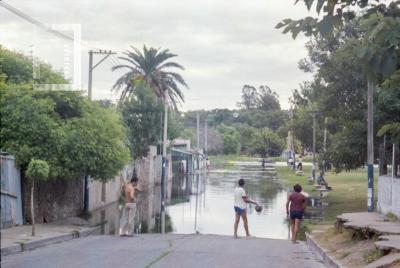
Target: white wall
{"x": 389, "y": 195}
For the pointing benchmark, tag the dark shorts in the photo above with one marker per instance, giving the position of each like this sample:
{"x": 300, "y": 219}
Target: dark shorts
{"x": 239, "y": 210}
{"x": 296, "y": 215}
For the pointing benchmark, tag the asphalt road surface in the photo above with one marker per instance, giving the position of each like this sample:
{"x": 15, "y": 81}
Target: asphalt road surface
{"x": 152, "y": 250}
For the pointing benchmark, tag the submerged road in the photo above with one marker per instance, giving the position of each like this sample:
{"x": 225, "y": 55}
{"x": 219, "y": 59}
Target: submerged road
{"x": 171, "y": 250}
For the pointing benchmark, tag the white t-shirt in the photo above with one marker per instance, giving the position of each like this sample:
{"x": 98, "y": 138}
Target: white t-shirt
{"x": 239, "y": 193}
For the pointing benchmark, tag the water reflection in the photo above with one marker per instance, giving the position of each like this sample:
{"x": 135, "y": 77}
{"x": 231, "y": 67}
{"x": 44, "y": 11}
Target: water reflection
{"x": 204, "y": 203}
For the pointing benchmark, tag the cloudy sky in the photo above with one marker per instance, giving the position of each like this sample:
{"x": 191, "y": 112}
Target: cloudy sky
{"x": 222, "y": 44}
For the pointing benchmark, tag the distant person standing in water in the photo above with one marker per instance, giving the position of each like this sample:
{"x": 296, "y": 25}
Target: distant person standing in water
{"x": 241, "y": 200}
{"x": 295, "y": 206}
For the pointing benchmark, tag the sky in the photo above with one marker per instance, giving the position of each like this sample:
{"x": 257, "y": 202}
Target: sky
{"x": 222, "y": 44}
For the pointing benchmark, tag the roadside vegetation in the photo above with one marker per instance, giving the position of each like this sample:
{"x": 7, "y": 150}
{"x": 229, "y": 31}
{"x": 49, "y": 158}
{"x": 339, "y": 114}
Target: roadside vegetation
{"x": 349, "y": 190}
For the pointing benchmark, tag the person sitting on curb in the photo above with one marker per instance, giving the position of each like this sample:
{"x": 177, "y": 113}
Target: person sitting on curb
{"x": 241, "y": 200}
{"x": 296, "y": 205}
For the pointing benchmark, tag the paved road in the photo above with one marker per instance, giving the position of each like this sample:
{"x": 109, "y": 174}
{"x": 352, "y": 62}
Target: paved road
{"x": 167, "y": 251}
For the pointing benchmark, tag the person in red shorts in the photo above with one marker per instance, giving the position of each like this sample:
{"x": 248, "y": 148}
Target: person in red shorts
{"x": 295, "y": 206}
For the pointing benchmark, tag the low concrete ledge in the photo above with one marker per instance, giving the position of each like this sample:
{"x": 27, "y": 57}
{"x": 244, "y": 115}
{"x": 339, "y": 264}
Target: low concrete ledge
{"x": 11, "y": 250}
{"x": 46, "y": 241}
{"x": 385, "y": 261}
{"x": 328, "y": 260}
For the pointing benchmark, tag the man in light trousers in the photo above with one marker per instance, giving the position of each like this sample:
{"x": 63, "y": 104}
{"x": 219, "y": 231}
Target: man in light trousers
{"x": 127, "y": 224}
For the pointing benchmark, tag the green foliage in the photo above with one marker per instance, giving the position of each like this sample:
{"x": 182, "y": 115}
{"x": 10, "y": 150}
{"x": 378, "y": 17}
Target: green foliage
{"x": 249, "y": 97}
{"x": 263, "y": 99}
{"x": 151, "y": 67}
{"x": 230, "y": 139}
{"x": 378, "y": 47}
{"x": 142, "y": 115}
{"x": 339, "y": 93}
{"x": 38, "y": 169}
{"x": 75, "y": 136}
{"x": 17, "y": 69}
{"x": 265, "y": 143}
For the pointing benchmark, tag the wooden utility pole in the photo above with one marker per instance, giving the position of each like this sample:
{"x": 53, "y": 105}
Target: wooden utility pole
{"x": 107, "y": 53}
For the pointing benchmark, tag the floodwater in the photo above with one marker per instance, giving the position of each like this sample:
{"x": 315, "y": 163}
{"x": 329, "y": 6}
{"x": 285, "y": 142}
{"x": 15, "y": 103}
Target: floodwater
{"x": 204, "y": 203}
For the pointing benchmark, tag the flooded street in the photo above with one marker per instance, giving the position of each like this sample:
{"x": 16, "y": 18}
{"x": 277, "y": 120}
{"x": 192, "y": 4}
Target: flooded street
{"x": 211, "y": 210}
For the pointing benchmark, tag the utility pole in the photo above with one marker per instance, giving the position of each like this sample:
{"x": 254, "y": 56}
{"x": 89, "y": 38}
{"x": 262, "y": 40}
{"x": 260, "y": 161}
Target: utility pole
{"x": 370, "y": 144}
{"x": 325, "y": 133}
{"x": 313, "y": 145}
{"x": 292, "y": 142}
{"x": 107, "y": 53}
{"x": 198, "y": 131}
{"x": 164, "y": 163}
{"x": 205, "y": 136}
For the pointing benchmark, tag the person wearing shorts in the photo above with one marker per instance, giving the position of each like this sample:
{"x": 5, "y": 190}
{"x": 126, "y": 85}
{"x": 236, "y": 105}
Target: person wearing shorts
{"x": 295, "y": 206}
{"x": 241, "y": 200}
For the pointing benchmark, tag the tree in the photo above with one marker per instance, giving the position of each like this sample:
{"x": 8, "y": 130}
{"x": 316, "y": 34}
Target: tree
{"x": 266, "y": 143}
{"x": 230, "y": 139}
{"x": 17, "y": 69}
{"x": 37, "y": 170}
{"x": 152, "y": 67}
{"x": 249, "y": 97}
{"x": 140, "y": 114}
{"x": 267, "y": 99}
{"x": 73, "y": 135}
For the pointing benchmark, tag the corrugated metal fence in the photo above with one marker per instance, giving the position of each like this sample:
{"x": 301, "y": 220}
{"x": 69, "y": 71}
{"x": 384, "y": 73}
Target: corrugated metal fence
{"x": 11, "y": 205}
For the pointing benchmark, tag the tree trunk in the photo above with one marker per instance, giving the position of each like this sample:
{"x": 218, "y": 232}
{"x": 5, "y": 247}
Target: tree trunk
{"x": 32, "y": 207}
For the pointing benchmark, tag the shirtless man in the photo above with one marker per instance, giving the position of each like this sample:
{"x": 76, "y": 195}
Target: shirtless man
{"x": 127, "y": 224}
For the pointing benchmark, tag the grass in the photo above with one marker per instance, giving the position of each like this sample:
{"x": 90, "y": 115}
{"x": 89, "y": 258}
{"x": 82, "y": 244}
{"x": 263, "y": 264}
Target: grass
{"x": 373, "y": 255}
{"x": 284, "y": 159}
{"x": 349, "y": 189}
{"x": 232, "y": 157}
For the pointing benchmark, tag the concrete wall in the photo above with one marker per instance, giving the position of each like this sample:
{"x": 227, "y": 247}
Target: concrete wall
{"x": 149, "y": 201}
{"x": 111, "y": 191}
{"x": 54, "y": 199}
{"x": 389, "y": 195}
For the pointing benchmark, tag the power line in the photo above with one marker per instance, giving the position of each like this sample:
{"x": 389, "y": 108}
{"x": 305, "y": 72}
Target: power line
{"x": 34, "y": 21}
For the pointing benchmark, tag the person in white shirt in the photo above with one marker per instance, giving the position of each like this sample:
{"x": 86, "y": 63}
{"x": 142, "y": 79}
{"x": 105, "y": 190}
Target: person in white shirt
{"x": 241, "y": 200}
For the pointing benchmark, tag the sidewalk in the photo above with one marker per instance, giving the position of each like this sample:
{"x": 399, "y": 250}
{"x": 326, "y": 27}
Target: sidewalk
{"x": 18, "y": 239}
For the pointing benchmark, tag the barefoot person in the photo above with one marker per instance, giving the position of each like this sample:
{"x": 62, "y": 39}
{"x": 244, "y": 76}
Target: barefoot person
{"x": 241, "y": 200}
{"x": 127, "y": 224}
{"x": 297, "y": 203}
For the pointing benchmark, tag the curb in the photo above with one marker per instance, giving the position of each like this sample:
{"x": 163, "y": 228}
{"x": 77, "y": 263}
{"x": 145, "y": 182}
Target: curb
{"x": 328, "y": 260}
{"x": 49, "y": 241}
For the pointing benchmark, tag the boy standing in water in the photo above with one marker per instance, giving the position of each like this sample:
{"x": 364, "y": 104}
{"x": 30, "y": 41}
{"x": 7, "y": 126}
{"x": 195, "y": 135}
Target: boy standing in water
{"x": 297, "y": 203}
{"x": 241, "y": 200}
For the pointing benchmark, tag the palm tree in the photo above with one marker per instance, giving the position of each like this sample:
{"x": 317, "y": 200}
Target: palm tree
{"x": 152, "y": 67}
